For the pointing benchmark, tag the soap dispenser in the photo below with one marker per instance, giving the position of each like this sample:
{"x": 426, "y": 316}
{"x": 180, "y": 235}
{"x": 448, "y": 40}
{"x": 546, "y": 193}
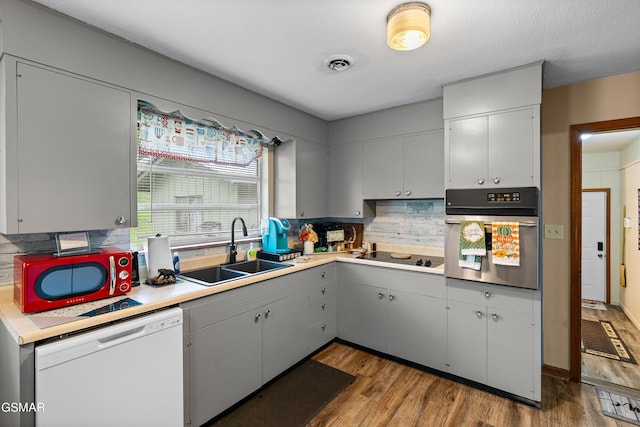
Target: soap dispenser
{"x": 251, "y": 252}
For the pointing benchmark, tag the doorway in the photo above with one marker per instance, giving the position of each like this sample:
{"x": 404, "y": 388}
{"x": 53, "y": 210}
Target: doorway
{"x": 576, "y": 234}
{"x": 596, "y": 250}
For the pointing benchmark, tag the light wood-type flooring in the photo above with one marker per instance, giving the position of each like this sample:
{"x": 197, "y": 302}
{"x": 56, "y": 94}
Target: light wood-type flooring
{"x": 603, "y": 369}
{"x": 386, "y": 393}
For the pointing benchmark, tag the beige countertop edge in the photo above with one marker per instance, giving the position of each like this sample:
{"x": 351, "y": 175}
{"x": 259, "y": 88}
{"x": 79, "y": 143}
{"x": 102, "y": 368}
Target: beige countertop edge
{"x": 24, "y": 331}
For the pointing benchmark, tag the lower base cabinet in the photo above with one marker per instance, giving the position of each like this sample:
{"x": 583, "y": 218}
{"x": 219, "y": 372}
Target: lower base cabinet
{"x": 406, "y": 317}
{"x": 223, "y": 368}
{"x": 236, "y": 341}
{"x": 493, "y": 336}
{"x": 239, "y": 340}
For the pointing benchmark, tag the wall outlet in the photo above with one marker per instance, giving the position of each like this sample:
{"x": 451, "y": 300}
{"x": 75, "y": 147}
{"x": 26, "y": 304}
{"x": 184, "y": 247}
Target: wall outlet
{"x": 553, "y": 231}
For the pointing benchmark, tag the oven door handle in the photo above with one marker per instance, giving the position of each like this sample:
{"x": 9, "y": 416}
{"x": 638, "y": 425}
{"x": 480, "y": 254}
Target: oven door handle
{"x": 488, "y": 224}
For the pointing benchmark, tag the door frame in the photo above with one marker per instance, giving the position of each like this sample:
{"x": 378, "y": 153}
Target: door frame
{"x": 607, "y": 249}
{"x": 575, "y": 305}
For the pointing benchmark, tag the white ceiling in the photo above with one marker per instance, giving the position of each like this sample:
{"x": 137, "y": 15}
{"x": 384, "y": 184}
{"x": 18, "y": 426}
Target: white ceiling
{"x": 278, "y": 48}
{"x": 609, "y": 141}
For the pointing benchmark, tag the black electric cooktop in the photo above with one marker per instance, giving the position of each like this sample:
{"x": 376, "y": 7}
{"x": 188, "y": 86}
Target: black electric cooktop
{"x": 419, "y": 260}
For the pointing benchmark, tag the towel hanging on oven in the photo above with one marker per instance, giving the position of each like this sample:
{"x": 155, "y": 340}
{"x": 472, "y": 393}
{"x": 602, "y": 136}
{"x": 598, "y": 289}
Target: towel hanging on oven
{"x": 472, "y": 244}
{"x": 505, "y": 243}
{"x": 472, "y": 238}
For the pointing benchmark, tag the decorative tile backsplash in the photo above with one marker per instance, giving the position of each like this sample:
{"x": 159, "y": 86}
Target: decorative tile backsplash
{"x": 411, "y": 222}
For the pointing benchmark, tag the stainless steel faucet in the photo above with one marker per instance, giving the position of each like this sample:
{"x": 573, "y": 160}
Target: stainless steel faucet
{"x": 232, "y": 249}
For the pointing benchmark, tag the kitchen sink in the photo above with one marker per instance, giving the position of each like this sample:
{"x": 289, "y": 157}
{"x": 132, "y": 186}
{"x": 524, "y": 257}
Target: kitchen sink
{"x": 210, "y": 276}
{"x": 255, "y": 266}
{"x": 217, "y": 274}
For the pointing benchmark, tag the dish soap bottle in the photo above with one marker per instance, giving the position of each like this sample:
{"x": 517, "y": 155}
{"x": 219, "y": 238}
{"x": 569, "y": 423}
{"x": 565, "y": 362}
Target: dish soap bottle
{"x": 176, "y": 262}
{"x": 251, "y": 252}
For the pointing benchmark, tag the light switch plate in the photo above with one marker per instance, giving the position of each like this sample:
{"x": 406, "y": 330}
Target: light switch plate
{"x": 553, "y": 231}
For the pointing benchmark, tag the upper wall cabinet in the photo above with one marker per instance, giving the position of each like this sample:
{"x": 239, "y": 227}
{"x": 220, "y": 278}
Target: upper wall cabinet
{"x": 492, "y": 129}
{"x": 301, "y": 179}
{"x": 494, "y": 150}
{"x": 408, "y": 167}
{"x": 68, "y": 152}
{"x": 345, "y": 182}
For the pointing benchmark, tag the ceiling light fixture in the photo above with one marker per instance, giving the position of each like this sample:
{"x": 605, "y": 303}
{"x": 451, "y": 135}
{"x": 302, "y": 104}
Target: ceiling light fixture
{"x": 408, "y": 26}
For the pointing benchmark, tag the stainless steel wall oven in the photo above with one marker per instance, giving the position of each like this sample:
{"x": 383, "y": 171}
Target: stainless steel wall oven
{"x": 489, "y": 209}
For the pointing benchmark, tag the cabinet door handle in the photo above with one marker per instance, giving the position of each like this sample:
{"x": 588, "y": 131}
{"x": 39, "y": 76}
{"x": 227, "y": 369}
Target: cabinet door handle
{"x": 323, "y": 327}
{"x": 487, "y": 294}
{"x": 380, "y": 295}
{"x": 495, "y": 316}
{"x": 398, "y": 193}
{"x": 302, "y": 213}
{"x": 324, "y": 291}
{"x": 391, "y": 297}
{"x": 324, "y": 306}
{"x": 257, "y": 318}
{"x": 267, "y": 313}
{"x": 479, "y": 314}
{"x": 120, "y": 220}
{"x": 496, "y": 180}
{"x": 480, "y": 181}
{"x": 323, "y": 274}
{"x": 358, "y": 213}
{"x": 407, "y": 193}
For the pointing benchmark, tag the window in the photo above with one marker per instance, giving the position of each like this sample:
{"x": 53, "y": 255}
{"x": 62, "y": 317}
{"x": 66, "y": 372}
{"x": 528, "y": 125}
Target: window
{"x": 192, "y": 199}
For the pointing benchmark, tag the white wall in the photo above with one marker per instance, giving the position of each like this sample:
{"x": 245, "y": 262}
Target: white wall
{"x": 602, "y": 170}
{"x": 630, "y": 295}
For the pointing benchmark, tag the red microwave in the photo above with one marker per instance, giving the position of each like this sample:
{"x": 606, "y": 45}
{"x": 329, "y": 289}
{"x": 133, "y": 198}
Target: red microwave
{"x": 44, "y": 282}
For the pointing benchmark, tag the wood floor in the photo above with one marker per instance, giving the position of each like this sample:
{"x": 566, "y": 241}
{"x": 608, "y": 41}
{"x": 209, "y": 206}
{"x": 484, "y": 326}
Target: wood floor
{"x": 603, "y": 369}
{"x": 386, "y": 393}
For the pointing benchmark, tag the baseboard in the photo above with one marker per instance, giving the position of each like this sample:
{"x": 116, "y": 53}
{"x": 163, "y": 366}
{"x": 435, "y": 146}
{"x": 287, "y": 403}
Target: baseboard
{"x": 552, "y": 371}
{"x": 629, "y": 316}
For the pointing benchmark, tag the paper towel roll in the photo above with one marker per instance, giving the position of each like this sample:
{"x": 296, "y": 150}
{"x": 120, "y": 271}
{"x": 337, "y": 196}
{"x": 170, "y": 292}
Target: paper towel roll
{"x": 158, "y": 255}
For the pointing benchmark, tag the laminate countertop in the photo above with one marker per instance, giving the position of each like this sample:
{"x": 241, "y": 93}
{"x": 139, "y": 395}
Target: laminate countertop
{"x": 28, "y": 328}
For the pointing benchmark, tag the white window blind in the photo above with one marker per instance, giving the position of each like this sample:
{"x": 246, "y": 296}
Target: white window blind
{"x": 195, "y": 202}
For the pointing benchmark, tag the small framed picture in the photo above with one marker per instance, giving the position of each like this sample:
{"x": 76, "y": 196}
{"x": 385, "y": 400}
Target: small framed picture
{"x": 73, "y": 244}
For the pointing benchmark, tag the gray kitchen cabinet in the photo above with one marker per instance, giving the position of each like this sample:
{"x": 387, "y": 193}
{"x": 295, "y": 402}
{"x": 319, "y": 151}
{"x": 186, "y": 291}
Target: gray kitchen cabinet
{"x": 493, "y": 336}
{"x": 301, "y": 189}
{"x": 322, "y": 304}
{"x": 397, "y": 312}
{"x": 238, "y": 340}
{"x": 284, "y": 337}
{"x": 224, "y": 365}
{"x": 382, "y": 174}
{"x": 494, "y": 150}
{"x": 408, "y": 167}
{"x": 423, "y": 165}
{"x": 75, "y": 169}
{"x": 362, "y": 314}
{"x": 411, "y": 315}
{"x": 345, "y": 182}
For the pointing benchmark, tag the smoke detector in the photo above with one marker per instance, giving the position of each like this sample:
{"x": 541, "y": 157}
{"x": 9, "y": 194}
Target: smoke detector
{"x": 340, "y": 63}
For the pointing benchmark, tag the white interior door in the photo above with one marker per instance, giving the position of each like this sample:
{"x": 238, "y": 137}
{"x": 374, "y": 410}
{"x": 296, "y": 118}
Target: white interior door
{"x": 594, "y": 235}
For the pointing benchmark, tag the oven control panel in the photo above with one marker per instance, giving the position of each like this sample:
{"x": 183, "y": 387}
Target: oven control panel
{"x": 511, "y": 197}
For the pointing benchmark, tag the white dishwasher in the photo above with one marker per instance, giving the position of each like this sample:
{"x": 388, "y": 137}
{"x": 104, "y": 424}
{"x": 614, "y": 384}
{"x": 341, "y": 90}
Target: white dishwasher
{"x": 126, "y": 374}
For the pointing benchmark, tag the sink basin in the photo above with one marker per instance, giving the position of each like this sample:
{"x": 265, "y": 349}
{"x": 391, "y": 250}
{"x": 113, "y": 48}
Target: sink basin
{"x": 255, "y": 266}
{"x": 217, "y": 274}
{"x": 210, "y": 276}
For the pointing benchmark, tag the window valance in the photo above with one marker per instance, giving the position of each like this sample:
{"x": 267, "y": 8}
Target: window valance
{"x": 175, "y": 136}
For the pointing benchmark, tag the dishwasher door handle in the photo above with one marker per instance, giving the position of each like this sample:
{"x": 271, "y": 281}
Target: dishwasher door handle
{"x": 121, "y": 337}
